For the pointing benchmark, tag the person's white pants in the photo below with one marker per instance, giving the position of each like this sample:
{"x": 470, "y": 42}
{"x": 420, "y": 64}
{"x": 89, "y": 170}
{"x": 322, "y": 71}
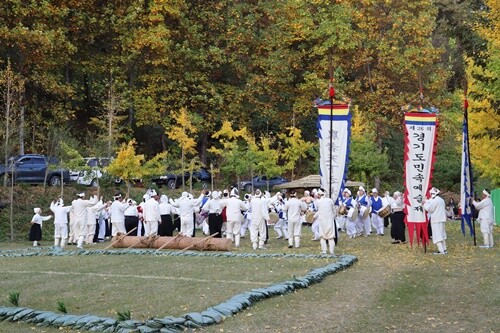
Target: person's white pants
{"x": 315, "y": 228}
{"x": 378, "y": 224}
{"x": 281, "y": 229}
{"x": 151, "y": 228}
{"x": 117, "y": 227}
{"x": 187, "y": 228}
{"x": 331, "y": 243}
{"x": 294, "y": 233}
{"x": 244, "y": 227}
{"x": 258, "y": 233}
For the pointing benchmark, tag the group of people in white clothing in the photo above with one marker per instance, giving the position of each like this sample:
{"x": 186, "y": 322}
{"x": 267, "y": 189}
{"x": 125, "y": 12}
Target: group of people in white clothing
{"x": 436, "y": 209}
{"x": 224, "y": 214}
{"x": 365, "y": 213}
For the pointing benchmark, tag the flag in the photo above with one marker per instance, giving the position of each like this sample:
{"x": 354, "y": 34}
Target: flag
{"x": 466, "y": 189}
{"x": 338, "y": 118}
{"x": 420, "y": 144}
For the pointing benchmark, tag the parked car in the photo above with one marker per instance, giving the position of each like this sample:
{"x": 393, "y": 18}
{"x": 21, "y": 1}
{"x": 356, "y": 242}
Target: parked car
{"x": 261, "y": 182}
{"x": 173, "y": 181}
{"x": 35, "y": 169}
{"x": 91, "y": 177}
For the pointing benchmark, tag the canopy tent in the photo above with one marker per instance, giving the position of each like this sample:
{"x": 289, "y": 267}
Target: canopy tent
{"x": 310, "y": 182}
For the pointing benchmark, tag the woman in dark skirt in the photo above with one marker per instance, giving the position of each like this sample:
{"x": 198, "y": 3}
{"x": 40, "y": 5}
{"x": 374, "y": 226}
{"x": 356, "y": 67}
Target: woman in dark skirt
{"x": 131, "y": 218}
{"x": 36, "y": 226}
{"x": 166, "y": 227}
{"x": 398, "y": 229}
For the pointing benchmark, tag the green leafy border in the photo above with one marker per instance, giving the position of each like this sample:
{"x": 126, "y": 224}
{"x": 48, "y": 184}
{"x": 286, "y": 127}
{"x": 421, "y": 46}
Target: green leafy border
{"x": 210, "y": 316}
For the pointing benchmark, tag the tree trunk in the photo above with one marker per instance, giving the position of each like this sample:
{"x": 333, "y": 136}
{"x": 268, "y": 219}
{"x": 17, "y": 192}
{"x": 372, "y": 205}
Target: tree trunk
{"x": 203, "y": 147}
{"x": 11, "y": 213}
{"x": 178, "y": 242}
{"x": 8, "y": 110}
{"x": 21, "y": 124}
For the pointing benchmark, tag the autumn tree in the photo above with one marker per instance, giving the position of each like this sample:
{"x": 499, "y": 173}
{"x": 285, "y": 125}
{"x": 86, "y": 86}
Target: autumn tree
{"x": 484, "y": 118}
{"x": 183, "y": 132}
{"x": 11, "y": 89}
{"x": 235, "y": 157}
{"x": 266, "y": 158}
{"x": 294, "y": 148}
{"x": 127, "y": 165}
{"x": 366, "y": 160}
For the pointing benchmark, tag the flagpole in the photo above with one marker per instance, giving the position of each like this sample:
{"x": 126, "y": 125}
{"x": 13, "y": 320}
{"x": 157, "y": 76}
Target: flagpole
{"x": 331, "y": 93}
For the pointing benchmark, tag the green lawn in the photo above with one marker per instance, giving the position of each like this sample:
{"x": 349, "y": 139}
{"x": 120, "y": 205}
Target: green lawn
{"x": 392, "y": 288}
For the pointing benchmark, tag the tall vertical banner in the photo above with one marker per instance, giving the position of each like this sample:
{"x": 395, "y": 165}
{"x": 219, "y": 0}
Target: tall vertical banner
{"x": 333, "y": 146}
{"x": 420, "y": 143}
{"x": 466, "y": 189}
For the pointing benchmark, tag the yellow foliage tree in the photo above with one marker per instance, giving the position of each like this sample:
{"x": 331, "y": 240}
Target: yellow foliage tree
{"x": 236, "y": 158}
{"x": 295, "y": 148}
{"x": 183, "y": 132}
{"x": 127, "y": 165}
{"x": 484, "y": 118}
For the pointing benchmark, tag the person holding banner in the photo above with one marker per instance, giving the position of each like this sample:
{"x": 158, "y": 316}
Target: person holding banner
{"x": 436, "y": 207}
{"x": 485, "y": 218}
{"x": 325, "y": 216}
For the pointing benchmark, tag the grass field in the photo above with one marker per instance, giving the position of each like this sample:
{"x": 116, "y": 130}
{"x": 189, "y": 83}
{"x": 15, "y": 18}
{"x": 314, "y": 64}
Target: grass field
{"x": 392, "y": 288}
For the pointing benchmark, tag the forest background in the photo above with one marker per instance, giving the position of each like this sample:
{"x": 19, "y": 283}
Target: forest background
{"x": 231, "y": 84}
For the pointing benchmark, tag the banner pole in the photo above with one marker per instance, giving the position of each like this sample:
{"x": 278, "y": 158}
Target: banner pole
{"x": 466, "y": 117}
{"x": 331, "y": 93}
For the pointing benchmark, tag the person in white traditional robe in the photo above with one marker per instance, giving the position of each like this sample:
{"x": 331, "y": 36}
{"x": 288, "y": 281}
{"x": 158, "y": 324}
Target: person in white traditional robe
{"x": 260, "y": 216}
{"x": 131, "y": 215}
{"x": 79, "y": 207}
{"x": 247, "y": 216}
{"x": 151, "y": 214}
{"x": 280, "y": 227}
{"x": 117, "y": 215}
{"x": 363, "y": 224}
{"x": 346, "y": 203}
{"x": 485, "y": 218}
{"x": 436, "y": 207}
{"x": 234, "y": 208}
{"x": 186, "y": 208}
{"x": 60, "y": 222}
{"x": 71, "y": 228}
{"x": 214, "y": 209}
{"x": 102, "y": 218}
{"x": 398, "y": 233}
{"x": 294, "y": 209}
{"x": 91, "y": 220}
{"x": 166, "y": 227}
{"x": 326, "y": 219}
{"x": 313, "y": 208}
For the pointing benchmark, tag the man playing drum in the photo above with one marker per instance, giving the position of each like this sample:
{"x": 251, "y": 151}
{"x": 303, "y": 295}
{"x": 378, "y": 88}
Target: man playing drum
{"x": 346, "y": 203}
{"x": 363, "y": 223}
{"x": 377, "y": 205}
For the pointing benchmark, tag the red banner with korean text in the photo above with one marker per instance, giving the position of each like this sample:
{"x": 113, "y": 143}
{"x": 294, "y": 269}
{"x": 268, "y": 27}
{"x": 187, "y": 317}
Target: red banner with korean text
{"x": 420, "y": 149}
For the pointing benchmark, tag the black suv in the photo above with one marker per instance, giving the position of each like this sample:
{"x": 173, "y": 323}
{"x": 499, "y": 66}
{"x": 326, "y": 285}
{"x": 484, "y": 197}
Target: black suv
{"x": 32, "y": 169}
{"x": 175, "y": 181}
